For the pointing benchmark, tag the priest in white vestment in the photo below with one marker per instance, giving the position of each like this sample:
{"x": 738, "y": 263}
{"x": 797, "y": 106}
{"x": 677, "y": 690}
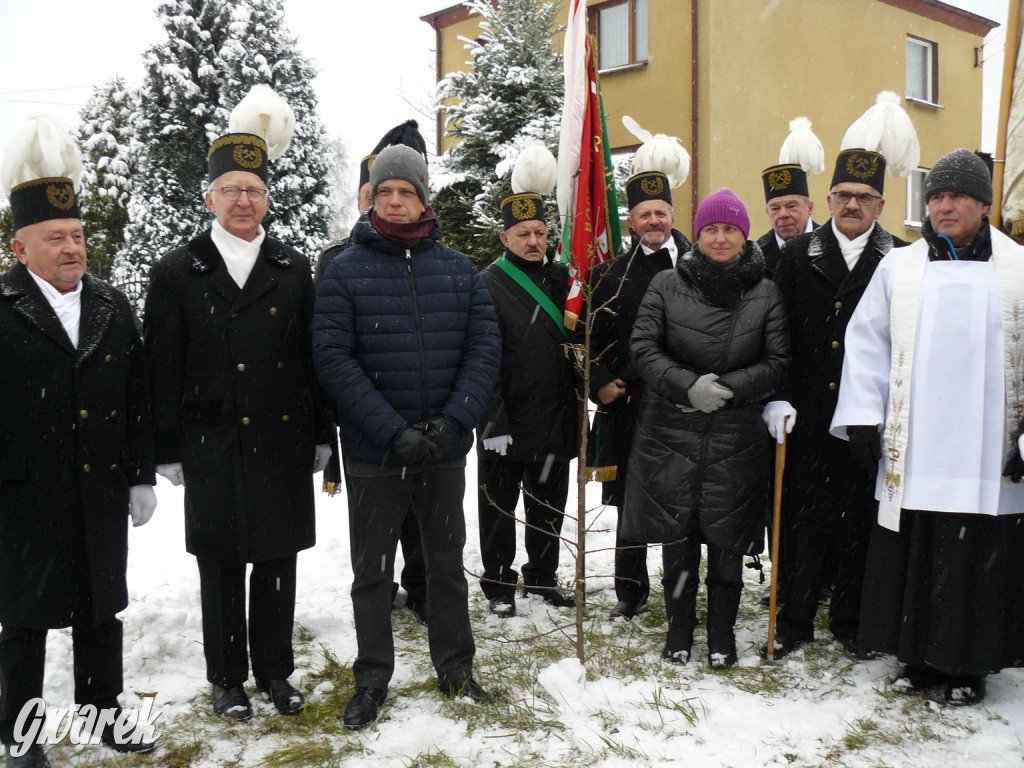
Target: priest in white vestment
{"x": 931, "y": 399}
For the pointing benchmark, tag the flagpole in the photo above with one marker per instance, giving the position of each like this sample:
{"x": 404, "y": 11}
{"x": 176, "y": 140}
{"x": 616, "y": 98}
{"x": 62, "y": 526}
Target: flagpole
{"x": 1010, "y": 52}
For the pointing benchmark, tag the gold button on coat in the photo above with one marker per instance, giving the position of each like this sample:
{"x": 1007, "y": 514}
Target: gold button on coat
{"x": 245, "y": 420}
{"x": 273, "y": 311}
{"x": 839, "y": 305}
{"x": 241, "y": 366}
{"x": 835, "y": 345}
{"x": 83, "y": 413}
{"x": 832, "y": 385}
{"x": 86, "y": 467}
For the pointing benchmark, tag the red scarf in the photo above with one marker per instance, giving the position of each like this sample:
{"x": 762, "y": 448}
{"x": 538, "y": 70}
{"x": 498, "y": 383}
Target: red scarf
{"x": 406, "y": 235}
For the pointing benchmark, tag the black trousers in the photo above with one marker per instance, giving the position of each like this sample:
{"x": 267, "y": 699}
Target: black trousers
{"x": 632, "y": 583}
{"x": 809, "y": 557}
{"x": 378, "y": 507}
{"x": 681, "y": 563}
{"x": 96, "y": 652}
{"x": 545, "y": 489}
{"x": 271, "y": 616}
{"x": 414, "y": 572}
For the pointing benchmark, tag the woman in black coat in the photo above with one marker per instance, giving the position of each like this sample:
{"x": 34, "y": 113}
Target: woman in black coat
{"x": 711, "y": 343}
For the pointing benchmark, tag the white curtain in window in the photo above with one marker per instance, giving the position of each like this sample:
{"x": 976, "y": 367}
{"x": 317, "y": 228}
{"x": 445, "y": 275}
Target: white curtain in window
{"x": 641, "y": 30}
{"x": 613, "y": 36}
{"x": 919, "y": 70}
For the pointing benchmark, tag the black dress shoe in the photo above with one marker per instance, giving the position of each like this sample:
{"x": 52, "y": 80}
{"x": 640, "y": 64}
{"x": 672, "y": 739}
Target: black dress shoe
{"x": 287, "y": 700}
{"x": 552, "y": 595}
{"x": 364, "y": 707}
{"x": 624, "y": 609}
{"x": 503, "y": 606}
{"x": 854, "y": 648}
{"x": 913, "y": 680}
{"x": 34, "y": 757}
{"x": 133, "y": 742}
{"x": 466, "y": 687}
{"x": 680, "y": 656}
{"x": 783, "y": 647}
{"x": 966, "y": 690}
{"x": 231, "y": 702}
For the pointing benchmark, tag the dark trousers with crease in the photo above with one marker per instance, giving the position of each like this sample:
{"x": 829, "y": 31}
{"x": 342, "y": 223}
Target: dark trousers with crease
{"x": 681, "y": 562}
{"x": 96, "y": 650}
{"x": 545, "y": 489}
{"x": 378, "y": 507}
{"x": 270, "y": 619}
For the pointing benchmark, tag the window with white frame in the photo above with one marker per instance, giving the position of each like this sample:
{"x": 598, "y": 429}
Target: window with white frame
{"x": 621, "y": 30}
{"x": 917, "y": 206}
{"x": 922, "y": 70}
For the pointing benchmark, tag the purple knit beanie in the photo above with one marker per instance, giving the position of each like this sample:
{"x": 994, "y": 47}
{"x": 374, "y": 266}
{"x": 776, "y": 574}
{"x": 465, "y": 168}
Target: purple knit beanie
{"x": 721, "y": 207}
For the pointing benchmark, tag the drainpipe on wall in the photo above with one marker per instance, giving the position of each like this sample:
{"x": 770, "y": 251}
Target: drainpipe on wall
{"x": 694, "y": 94}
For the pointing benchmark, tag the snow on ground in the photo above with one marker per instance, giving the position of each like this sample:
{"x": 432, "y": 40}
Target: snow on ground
{"x": 673, "y": 716}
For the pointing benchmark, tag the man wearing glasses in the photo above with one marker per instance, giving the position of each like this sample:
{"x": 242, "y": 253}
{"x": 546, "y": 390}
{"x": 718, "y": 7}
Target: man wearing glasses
{"x": 241, "y": 421}
{"x": 828, "y": 502}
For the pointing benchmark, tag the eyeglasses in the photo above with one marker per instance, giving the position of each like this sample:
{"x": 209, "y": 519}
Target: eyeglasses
{"x": 863, "y": 198}
{"x": 233, "y": 193}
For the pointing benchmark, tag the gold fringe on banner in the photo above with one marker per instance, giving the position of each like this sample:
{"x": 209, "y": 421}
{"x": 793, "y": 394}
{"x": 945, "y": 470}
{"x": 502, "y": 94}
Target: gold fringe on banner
{"x": 602, "y": 474}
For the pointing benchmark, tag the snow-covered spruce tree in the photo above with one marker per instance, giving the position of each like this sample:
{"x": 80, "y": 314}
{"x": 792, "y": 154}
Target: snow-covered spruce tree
{"x": 104, "y": 139}
{"x": 215, "y": 51}
{"x": 512, "y": 96}
{"x": 261, "y": 49}
{"x": 342, "y": 179}
{"x": 7, "y": 258}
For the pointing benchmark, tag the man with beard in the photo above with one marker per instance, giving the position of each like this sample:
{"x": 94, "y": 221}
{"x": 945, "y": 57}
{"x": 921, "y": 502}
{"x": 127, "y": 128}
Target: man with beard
{"x": 617, "y": 289}
{"x": 827, "y": 499}
{"x": 931, "y": 401}
{"x": 528, "y": 433}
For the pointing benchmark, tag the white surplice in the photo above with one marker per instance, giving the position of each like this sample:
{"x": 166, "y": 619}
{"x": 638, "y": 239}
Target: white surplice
{"x": 956, "y": 441}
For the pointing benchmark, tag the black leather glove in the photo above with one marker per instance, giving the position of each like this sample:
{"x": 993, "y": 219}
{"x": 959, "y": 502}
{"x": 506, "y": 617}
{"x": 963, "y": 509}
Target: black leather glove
{"x": 866, "y": 447}
{"x": 412, "y": 445}
{"x": 444, "y": 432}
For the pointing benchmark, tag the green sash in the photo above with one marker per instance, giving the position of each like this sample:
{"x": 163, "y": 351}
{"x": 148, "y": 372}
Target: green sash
{"x": 531, "y": 288}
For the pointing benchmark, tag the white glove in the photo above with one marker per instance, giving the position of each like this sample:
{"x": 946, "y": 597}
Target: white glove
{"x": 779, "y": 416}
{"x": 141, "y": 503}
{"x": 172, "y": 472}
{"x": 321, "y": 457}
{"x": 498, "y": 444}
{"x": 707, "y": 395}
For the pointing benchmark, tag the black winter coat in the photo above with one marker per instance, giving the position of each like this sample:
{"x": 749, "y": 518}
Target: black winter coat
{"x": 823, "y": 487}
{"x": 401, "y": 336}
{"x": 75, "y": 435}
{"x": 693, "y": 473}
{"x": 618, "y": 288}
{"x": 769, "y": 246}
{"x": 235, "y": 398}
{"x": 535, "y": 398}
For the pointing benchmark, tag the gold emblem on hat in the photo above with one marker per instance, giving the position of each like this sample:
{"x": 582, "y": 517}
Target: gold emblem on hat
{"x": 862, "y": 166}
{"x": 247, "y": 156}
{"x": 523, "y": 209}
{"x": 60, "y": 196}
{"x": 652, "y": 186}
{"x": 780, "y": 179}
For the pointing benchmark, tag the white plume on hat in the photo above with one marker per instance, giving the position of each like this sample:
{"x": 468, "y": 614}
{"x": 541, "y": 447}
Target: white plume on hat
{"x": 535, "y": 170}
{"x": 885, "y": 128}
{"x": 43, "y": 148}
{"x": 802, "y": 147}
{"x": 659, "y": 153}
{"x": 267, "y": 115}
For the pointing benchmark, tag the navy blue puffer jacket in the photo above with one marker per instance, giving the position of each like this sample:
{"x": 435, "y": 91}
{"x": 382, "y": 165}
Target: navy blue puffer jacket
{"x": 401, "y": 336}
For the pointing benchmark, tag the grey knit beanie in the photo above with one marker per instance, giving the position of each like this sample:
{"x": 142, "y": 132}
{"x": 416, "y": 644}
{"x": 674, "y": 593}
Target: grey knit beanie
{"x": 960, "y": 171}
{"x": 400, "y": 162}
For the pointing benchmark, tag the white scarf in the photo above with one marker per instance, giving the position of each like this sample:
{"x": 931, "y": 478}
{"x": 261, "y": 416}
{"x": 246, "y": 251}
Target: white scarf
{"x": 239, "y": 255}
{"x": 852, "y": 249}
{"x": 68, "y": 306}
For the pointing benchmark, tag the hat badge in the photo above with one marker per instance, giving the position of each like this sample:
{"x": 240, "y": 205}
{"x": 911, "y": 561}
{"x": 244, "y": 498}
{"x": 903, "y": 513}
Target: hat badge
{"x": 780, "y": 179}
{"x": 60, "y": 196}
{"x": 247, "y": 156}
{"x": 523, "y": 209}
{"x": 862, "y": 166}
{"x": 652, "y": 185}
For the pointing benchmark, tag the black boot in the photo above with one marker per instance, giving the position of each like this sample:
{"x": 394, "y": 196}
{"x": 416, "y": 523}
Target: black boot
{"x": 723, "y": 605}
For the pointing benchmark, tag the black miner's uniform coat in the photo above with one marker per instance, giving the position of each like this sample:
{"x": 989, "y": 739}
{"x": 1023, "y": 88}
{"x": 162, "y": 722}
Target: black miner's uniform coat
{"x": 75, "y": 435}
{"x": 534, "y": 399}
{"x": 824, "y": 488}
{"x": 235, "y": 398}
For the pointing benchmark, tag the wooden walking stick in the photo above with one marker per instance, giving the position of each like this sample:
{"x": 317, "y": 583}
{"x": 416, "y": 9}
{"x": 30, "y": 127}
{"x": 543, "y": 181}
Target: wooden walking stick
{"x": 780, "y": 466}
